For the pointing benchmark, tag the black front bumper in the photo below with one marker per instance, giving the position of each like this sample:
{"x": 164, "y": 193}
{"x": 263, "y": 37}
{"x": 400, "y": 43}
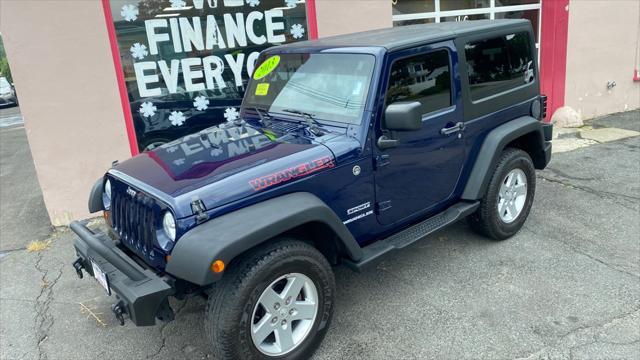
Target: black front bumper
{"x": 143, "y": 294}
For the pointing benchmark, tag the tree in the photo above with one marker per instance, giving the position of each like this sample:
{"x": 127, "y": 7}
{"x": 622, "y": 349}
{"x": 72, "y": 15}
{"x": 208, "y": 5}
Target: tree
{"x": 4, "y": 69}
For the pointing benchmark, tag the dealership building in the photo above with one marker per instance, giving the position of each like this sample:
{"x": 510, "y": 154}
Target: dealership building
{"x": 100, "y": 81}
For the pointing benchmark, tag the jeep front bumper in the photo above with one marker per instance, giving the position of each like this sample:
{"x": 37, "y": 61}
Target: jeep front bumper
{"x": 143, "y": 294}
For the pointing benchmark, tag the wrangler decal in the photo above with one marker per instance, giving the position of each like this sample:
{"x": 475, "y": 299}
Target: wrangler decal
{"x": 293, "y": 172}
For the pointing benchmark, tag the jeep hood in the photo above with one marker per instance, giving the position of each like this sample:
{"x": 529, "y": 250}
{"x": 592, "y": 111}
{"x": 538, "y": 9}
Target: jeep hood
{"x": 227, "y": 162}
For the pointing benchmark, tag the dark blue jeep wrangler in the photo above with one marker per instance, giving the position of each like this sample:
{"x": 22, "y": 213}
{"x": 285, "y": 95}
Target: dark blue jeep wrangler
{"x": 346, "y": 149}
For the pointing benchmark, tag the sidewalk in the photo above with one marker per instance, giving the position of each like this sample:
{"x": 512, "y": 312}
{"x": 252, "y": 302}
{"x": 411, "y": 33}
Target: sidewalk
{"x": 23, "y": 217}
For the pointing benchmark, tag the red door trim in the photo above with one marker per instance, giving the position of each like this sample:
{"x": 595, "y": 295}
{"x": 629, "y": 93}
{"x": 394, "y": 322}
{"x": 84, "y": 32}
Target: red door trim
{"x": 553, "y": 52}
{"x": 122, "y": 87}
{"x": 312, "y": 20}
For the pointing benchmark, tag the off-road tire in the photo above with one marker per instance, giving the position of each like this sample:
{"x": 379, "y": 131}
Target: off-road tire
{"x": 231, "y": 301}
{"x": 486, "y": 220}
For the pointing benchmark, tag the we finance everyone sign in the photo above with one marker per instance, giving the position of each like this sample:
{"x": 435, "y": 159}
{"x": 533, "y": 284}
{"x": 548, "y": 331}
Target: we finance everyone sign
{"x": 186, "y": 63}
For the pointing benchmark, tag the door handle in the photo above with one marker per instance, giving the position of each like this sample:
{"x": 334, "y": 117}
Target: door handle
{"x": 453, "y": 129}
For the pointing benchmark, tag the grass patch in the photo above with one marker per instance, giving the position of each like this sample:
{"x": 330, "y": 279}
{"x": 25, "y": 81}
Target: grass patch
{"x": 38, "y": 245}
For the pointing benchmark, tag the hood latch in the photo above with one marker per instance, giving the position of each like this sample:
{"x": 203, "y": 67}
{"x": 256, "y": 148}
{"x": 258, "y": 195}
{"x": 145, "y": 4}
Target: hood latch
{"x": 198, "y": 209}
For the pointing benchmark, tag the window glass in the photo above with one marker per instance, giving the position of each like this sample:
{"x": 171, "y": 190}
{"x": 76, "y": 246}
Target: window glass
{"x": 531, "y": 15}
{"x": 186, "y": 62}
{"x": 498, "y": 64}
{"x": 414, "y": 22}
{"x": 465, "y": 17}
{"x": 463, "y": 4}
{"x": 413, "y": 6}
{"x": 332, "y": 87}
{"x": 516, "y": 2}
{"x": 425, "y": 78}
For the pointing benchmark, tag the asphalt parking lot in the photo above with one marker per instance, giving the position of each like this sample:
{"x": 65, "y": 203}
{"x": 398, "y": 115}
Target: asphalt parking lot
{"x": 567, "y": 286}
{"x": 23, "y": 217}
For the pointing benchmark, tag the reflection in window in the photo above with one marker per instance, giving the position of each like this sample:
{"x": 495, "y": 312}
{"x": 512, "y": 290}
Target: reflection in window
{"x": 498, "y": 64}
{"x": 424, "y": 78}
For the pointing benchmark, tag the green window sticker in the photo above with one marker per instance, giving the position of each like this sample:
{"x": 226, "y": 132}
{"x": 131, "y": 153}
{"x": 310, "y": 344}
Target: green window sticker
{"x": 266, "y": 67}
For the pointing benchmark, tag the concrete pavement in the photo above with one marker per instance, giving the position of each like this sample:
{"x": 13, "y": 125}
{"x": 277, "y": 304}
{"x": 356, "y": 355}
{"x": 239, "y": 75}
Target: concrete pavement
{"x": 567, "y": 286}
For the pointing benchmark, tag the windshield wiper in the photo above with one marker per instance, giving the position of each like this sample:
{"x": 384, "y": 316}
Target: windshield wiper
{"x": 265, "y": 120}
{"x": 312, "y": 123}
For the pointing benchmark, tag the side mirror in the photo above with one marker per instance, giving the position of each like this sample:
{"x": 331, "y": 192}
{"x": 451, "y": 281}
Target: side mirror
{"x": 403, "y": 116}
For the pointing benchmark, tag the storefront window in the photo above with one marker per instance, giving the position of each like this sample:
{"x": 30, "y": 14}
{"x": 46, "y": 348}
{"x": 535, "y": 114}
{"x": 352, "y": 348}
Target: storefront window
{"x": 531, "y": 15}
{"x": 407, "y": 12}
{"x": 463, "y": 4}
{"x": 186, "y": 62}
{"x": 465, "y": 17}
{"x": 413, "y": 6}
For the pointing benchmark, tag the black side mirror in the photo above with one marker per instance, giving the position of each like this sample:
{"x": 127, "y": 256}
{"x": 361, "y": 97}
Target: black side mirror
{"x": 403, "y": 116}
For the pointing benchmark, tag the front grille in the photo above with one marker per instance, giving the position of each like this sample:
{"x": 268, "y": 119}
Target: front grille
{"x": 134, "y": 221}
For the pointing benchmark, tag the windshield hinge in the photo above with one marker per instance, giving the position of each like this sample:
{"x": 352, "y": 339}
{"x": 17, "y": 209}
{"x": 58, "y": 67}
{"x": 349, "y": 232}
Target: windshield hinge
{"x": 198, "y": 209}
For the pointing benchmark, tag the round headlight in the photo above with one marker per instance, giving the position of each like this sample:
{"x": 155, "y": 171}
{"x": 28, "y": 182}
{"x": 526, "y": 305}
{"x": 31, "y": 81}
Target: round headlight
{"x": 169, "y": 225}
{"x": 106, "y": 196}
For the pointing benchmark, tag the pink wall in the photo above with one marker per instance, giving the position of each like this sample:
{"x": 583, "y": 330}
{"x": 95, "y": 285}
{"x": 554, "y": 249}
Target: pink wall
{"x": 602, "y": 44}
{"x": 348, "y": 16}
{"x": 64, "y": 75}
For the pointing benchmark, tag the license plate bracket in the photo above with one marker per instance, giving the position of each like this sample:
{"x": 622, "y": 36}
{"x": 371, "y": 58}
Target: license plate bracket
{"x": 101, "y": 277}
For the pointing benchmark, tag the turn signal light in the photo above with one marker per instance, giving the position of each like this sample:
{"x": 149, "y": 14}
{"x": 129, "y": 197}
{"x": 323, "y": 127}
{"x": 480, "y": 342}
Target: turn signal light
{"x": 217, "y": 266}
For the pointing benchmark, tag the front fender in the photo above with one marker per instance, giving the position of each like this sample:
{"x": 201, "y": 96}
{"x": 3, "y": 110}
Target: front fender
{"x": 229, "y": 235}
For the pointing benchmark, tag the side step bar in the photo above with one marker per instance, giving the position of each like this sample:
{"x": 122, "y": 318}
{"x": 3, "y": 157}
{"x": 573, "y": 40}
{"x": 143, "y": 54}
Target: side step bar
{"x": 374, "y": 252}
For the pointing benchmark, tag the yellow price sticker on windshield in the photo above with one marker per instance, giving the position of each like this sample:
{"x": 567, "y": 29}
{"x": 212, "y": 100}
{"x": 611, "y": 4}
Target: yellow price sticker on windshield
{"x": 266, "y": 67}
{"x": 262, "y": 89}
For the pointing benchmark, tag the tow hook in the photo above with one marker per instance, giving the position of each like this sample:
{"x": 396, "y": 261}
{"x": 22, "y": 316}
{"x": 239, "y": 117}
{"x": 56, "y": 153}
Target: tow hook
{"x": 78, "y": 266}
{"x": 119, "y": 309}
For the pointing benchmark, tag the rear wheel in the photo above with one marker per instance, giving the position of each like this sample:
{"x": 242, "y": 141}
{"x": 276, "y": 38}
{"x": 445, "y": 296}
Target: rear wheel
{"x": 508, "y": 198}
{"x": 276, "y": 302}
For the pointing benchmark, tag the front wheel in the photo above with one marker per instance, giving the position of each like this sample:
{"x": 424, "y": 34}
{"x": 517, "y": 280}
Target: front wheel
{"x": 274, "y": 303}
{"x": 508, "y": 198}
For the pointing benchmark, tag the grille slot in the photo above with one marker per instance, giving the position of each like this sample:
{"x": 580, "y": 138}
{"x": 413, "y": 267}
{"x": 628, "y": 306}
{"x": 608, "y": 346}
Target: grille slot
{"x": 133, "y": 221}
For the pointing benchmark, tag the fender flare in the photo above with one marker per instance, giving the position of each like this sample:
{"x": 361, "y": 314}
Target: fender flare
{"x": 492, "y": 147}
{"x": 231, "y": 234}
{"x": 95, "y": 197}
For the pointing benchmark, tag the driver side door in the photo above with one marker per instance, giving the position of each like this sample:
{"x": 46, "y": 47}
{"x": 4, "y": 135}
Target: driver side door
{"x": 420, "y": 170}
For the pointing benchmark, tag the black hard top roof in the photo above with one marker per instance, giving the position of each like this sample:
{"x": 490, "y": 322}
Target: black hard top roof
{"x": 405, "y": 36}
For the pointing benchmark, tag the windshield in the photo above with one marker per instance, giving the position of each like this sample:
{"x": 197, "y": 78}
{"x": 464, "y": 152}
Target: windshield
{"x": 332, "y": 87}
{"x": 4, "y": 83}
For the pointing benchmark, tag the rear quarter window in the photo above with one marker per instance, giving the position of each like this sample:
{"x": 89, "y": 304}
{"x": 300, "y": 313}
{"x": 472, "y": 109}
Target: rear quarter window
{"x": 498, "y": 64}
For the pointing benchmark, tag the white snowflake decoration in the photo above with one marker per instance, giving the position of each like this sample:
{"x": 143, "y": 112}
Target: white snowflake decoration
{"x": 178, "y": 161}
{"x": 139, "y": 51}
{"x": 253, "y": 3}
{"x": 297, "y": 31}
{"x": 216, "y": 152}
{"x": 129, "y": 12}
{"x": 177, "y": 4}
{"x": 291, "y": 3}
{"x": 172, "y": 149}
{"x": 177, "y": 118}
{"x": 201, "y": 103}
{"x": 147, "y": 109}
{"x": 231, "y": 114}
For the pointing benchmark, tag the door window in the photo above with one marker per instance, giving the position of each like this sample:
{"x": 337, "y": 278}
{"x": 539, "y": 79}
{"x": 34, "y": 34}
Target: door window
{"x": 425, "y": 78}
